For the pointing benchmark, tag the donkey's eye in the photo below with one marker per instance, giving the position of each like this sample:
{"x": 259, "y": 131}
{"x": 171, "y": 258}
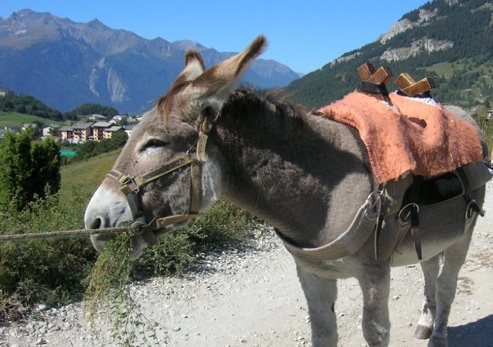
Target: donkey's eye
{"x": 153, "y": 144}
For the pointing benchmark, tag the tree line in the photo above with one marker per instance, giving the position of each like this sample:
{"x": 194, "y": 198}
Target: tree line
{"x": 25, "y": 104}
{"x": 91, "y": 149}
{"x": 466, "y": 24}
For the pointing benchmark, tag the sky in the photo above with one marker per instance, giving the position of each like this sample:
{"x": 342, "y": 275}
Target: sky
{"x": 304, "y": 35}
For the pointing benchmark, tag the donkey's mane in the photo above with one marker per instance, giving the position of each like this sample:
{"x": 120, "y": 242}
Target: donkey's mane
{"x": 247, "y": 99}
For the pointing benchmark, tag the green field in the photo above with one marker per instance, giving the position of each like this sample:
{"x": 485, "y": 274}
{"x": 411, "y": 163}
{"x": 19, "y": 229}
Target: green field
{"x": 86, "y": 175}
{"x": 13, "y": 118}
{"x": 93, "y": 169}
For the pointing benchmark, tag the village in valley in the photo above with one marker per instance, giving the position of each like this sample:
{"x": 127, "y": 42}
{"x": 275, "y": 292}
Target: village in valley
{"x": 97, "y": 128}
{"x": 70, "y": 133}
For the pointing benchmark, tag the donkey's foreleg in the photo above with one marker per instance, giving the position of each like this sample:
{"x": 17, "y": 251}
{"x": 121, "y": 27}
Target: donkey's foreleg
{"x": 320, "y": 295}
{"x": 430, "y": 269}
{"x": 446, "y": 285}
{"x": 375, "y": 284}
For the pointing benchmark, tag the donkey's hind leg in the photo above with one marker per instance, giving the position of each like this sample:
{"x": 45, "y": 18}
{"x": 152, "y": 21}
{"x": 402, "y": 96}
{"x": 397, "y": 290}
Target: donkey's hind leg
{"x": 430, "y": 268}
{"x": 446, "y": 285}
{"x": 320, "y": 295}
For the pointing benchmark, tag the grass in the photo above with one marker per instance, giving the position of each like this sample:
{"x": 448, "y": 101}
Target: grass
{"x": 86, "y": 175}
{"x": 13, "y": 118}
{"x": 108, "y": 296}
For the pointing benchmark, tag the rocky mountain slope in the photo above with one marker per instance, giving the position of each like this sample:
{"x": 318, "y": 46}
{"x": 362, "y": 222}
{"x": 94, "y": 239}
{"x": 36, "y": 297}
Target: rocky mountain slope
{"x": 448, "y": 40}
{"x": 66, "y": 64}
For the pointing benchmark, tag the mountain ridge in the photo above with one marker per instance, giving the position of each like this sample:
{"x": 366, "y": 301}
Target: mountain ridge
{"x": 448, "y": 40}
{"x": 66, "y": 64}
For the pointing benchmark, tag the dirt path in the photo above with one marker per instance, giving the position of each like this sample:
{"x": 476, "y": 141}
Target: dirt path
{"x": 253, "y": 298}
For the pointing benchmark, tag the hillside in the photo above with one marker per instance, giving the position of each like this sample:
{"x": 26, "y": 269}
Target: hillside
{"x": 13, "y": 118}
{"x": 449, "y": 40}
{"x": 87, "y": 174}
{"x": 66, "y": 64}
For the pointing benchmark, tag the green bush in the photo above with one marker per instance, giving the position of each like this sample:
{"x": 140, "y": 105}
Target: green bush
{"x": 49, "y": 271}
{"x": 29, "y": 169}
{"x": 55, "y": 271}
{"x": 91, "y": 149}
{"x": 222, "y": 226}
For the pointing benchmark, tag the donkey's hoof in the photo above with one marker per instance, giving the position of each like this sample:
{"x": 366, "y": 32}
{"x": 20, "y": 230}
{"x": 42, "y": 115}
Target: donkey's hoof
{"x": 422, "y": 332}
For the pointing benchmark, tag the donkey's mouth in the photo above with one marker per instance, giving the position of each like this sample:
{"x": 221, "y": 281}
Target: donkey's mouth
{"x": 144, "y": 235}
{"x": 147, "y": 239}
{"x": 151, "y": 237}
{"x": 138, "y": 242}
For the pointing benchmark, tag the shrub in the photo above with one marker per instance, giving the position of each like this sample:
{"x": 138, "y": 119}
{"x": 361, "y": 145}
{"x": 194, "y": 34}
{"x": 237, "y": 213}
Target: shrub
{"x": 222, "y": 226}
{"x": 42, "y": 271}
{"x": 55, "y": 271}
{"x": 29, "y": 169}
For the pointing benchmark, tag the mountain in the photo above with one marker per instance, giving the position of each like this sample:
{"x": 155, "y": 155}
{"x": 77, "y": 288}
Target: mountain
{"x": 448, "y": 40}
{"x": 66, "y": 64}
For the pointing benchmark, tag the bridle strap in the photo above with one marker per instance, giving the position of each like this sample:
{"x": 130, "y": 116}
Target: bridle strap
{"x": 131, "y": 185}
{"x": 195, "y": 189}
{"x": 160, "y": 223}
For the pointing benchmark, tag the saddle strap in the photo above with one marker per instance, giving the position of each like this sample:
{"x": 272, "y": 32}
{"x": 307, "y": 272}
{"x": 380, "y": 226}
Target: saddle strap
{"x": 350, "y": 241}
{"x": 414, "y": 214}
{"x": 408, "y": 220}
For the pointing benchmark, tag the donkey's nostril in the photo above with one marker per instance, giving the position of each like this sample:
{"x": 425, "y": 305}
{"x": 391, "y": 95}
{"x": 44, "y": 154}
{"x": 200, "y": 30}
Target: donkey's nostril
{"x": 97, "y": 223}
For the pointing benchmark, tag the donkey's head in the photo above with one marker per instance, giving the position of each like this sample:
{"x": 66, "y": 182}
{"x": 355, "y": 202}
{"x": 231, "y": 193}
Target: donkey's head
{"x": 166, "y": 173}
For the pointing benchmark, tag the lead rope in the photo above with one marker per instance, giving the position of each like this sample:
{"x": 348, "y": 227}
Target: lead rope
{"x": 134, "y": 229}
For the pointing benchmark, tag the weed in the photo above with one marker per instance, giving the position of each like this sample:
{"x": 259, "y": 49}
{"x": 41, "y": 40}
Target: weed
{"x": 108, "y": 296}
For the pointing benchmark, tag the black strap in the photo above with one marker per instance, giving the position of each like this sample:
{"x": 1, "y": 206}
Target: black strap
{"x": 415, "y": 232}
{"x": 425, "y": 95}
{"x": 373, "y": 88}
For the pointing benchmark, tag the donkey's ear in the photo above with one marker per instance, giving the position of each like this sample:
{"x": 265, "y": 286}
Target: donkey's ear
{"x": 218, "y": 82}
{"x": 194, "y": 67}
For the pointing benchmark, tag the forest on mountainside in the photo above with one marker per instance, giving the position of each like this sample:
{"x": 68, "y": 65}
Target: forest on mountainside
{"x": 463, "y": 73}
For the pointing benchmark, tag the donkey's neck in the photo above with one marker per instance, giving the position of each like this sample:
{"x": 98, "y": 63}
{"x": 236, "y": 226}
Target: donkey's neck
{"x": 287, "y": 166}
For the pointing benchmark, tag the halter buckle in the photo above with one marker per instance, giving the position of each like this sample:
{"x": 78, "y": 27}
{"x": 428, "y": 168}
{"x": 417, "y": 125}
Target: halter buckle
{"x": 125, "y": 182}
{"x": 129, "y": 185}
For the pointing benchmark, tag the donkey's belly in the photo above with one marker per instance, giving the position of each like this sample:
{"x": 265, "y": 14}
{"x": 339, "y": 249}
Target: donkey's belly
{"x": 440, "y": 227}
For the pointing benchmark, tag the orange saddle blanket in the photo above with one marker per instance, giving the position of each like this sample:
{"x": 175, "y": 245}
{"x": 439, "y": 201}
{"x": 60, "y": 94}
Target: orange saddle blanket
{"x": 411, "y": 136}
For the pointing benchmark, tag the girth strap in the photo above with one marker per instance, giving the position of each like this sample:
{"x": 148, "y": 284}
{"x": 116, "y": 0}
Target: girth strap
{"x": 362, "y": 226}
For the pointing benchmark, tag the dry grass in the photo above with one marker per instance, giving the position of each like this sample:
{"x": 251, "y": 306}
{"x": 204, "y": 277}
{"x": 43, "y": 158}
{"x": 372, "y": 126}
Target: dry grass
{"x": 108, "y": 296}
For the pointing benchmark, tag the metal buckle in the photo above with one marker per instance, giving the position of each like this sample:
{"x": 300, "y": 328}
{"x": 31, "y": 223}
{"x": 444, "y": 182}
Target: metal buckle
{"x": 408, "y": 207}
{"x": 376, "y": 199}
{"x": 472, "y": 207}
{"x": 125, "y": 185}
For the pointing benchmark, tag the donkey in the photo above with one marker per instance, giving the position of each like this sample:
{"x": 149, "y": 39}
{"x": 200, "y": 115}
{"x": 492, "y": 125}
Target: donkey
{"x": 307, "y": 176}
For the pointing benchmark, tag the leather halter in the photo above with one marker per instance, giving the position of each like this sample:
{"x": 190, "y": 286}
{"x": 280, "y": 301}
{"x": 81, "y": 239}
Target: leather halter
{"x": 132, "y": 184}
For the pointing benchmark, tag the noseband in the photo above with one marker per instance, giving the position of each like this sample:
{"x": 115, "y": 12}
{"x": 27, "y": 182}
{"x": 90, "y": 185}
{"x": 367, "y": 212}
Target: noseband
{"x": 132, "y": 184}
